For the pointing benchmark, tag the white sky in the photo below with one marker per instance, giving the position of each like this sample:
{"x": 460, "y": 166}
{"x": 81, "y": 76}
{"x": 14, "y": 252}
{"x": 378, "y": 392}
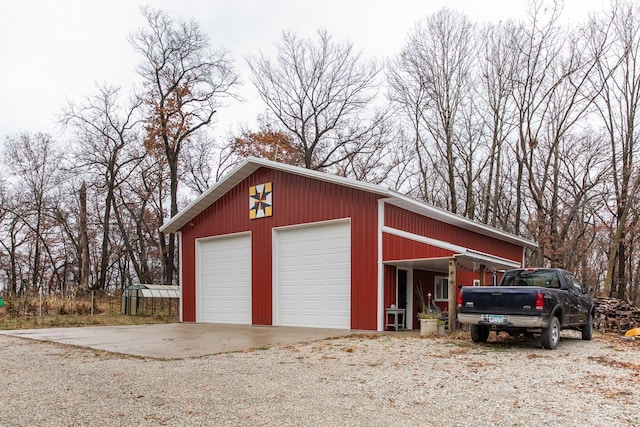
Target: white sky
{"x": 53, "y": 51}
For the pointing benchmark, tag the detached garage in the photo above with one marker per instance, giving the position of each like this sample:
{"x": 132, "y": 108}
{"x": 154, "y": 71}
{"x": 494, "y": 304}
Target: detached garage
{"x": 274, "y": 244}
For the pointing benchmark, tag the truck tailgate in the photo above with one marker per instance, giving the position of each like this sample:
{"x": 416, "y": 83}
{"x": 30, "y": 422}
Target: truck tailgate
{"x": 499, "y": 300}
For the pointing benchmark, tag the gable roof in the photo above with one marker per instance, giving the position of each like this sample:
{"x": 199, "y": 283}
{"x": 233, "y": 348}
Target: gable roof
{"x": 251, "y": 164}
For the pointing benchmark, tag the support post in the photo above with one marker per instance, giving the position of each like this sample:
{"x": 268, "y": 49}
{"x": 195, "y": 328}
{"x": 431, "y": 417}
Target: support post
{"x": 452, "y": 294}
{"x": 381, "y": 320}
{"x": 483, "y": 274}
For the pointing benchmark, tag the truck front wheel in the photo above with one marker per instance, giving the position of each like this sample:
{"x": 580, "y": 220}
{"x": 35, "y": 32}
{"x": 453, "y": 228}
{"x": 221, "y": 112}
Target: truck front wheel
{"x": 551, "y": 335}
{"x": 479, "y": 333}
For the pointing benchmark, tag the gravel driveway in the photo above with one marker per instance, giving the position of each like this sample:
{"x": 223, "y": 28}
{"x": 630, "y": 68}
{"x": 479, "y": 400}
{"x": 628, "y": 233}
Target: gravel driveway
{"x": 366, "y": 380}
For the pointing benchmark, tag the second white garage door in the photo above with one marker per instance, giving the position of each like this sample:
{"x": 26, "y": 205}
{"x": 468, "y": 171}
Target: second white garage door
{"x": 312, "y": 276}
{"x": 223, "y": 279}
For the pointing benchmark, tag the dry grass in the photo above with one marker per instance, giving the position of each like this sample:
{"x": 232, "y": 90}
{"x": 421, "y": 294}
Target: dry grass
{"x": 73, "y": 320}
{"x": 57, "y": 312}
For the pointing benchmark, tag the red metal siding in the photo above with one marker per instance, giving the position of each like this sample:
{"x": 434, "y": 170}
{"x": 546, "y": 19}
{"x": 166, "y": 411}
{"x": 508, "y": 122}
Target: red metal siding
{"x": 426, "y": 280}
{"x": 188, "y": 276}
{"x": 296, "y": 200}
{"x": 398, "y": 248}
{"x": 389, "y": 285}
{"x": 261, "y": 274}
{"x": 404, "y": 220}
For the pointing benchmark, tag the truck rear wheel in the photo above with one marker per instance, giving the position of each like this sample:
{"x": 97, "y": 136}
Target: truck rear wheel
{"x": 551, "y": 335}
{"x": 479, "y": 333}
{"x": 587, "y": 330}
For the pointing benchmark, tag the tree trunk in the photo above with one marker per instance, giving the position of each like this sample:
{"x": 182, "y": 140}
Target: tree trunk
{"x": 519, "y": 197}
{"x": 104, "y": 252}
{"x": 171, "y": 249}
{"x": 616, "y": 243}
{"x": 35, "y": 273}
{"x": 622, "y": 282}
{"x": 13, "y": 280}
{"x": 451, "y": 175}
{"x": 84, "y": 239}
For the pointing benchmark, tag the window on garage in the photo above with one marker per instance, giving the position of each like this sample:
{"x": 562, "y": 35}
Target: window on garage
{"x": 441, "y": 288}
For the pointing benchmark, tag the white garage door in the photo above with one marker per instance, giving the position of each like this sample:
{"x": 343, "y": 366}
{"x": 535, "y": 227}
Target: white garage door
{"x": 224, "y": 280}
{"x": 312, "y": 266}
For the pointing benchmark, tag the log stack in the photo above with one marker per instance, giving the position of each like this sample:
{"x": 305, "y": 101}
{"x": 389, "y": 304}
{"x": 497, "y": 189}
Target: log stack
{"x": 615, "y": 315}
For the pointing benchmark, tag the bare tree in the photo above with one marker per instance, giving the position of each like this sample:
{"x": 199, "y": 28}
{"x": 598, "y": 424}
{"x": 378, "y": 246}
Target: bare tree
{"x": 408, "y": 94}
{"x": 321, "y": 92}
{"x": 36, "y": 166}
{"x": 497, "y": 66}
{"x": 196, "y": 170}
{"x": 551, "y": 96}
{"x": 138, "y": 216}
{"x": 582, "y": 180}
{"x": 184, "y": 82}
{"x": 11, "y": 237}
{"x": 85, "y": 263}
{"x": 376, "y": 164}
{"x": 618, "y": 75}
{"x": 432, "y": 80}
{"x": 106, "y": 134}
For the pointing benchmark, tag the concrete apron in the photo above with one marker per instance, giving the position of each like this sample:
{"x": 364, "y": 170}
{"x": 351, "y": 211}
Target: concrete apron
{"x": 178, "y": 340}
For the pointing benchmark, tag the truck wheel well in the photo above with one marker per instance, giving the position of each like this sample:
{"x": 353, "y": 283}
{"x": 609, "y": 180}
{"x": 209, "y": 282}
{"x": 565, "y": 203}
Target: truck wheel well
{"x": 559, "y": 314}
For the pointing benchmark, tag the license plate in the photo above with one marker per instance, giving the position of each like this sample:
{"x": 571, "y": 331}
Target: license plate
{"x": 494, "y": 318}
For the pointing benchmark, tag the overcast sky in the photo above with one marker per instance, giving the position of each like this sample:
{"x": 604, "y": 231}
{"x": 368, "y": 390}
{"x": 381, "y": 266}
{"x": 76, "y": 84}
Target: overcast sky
{"x": 53, "y": 51}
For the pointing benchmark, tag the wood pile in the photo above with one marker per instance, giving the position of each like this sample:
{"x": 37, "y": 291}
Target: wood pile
{"x": 615, "y": 315}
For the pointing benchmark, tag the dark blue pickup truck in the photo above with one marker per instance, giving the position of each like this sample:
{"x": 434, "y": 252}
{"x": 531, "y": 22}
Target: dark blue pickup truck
{"x": 530, "y": 300}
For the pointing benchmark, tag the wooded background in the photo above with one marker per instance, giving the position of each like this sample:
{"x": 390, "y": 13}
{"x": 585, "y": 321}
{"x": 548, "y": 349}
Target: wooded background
{"x": 527, "y": 126}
